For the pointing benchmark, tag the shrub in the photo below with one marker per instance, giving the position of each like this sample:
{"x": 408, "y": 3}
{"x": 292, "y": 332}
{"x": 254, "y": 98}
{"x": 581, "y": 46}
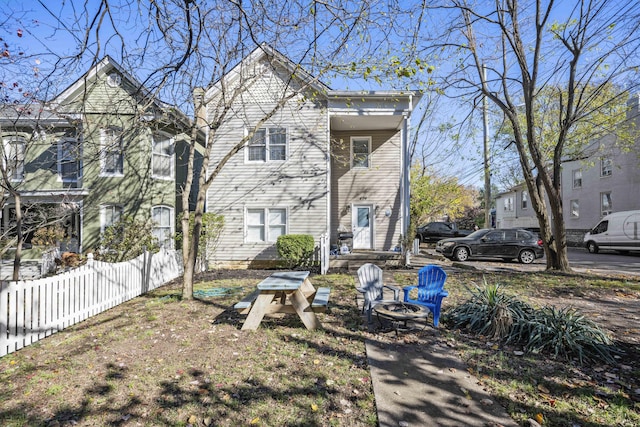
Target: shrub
{"x": 295, "y": 249}
{"x": 212, "y": 225}
{"x": 563, "y": 332}
{"x": 48, "y": 236}
{"x": 127, "y": 239}
{"x": 566, "y": 333}
{"x": 489, "y": 312}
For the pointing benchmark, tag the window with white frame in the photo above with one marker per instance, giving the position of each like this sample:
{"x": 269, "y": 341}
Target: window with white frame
{"x": 577, "y": 178}
{"x": 508, "y": 204}
{"x": 109, "y": 215}
{"x": 574, "y": 206}
{"x": 15, "y": 147}
{"x": 68, "y": 160}
{"x": 162, "y": 156}
{"x": 266, "y": 224}
{"x": 606, "y": 166}
{"x": 606, "y": 207}
{"x": 162, "y": 217}
{"x": 268, "y": 144}
{"x": 360, "y": 152}
{"x": 111, "y": 152}
{"x": 525, "y": 200}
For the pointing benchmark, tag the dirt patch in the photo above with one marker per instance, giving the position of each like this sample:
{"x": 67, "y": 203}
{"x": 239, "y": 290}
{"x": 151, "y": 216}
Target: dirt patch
{"x": 157, "y": 360}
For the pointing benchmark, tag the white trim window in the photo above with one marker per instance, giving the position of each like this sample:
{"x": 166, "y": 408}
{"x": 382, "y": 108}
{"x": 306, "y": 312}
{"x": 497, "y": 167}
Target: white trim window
{"x": 576, "y": 175}
{"x": 606, "y": 206}
{"x": 114, "y": 80}
{"x": 360, "y": 152}
{"x": 111, "y": 152}
{"x": 525, "y": 200}
{"x": 14, "y": 151}
{"x": 606, "y": 166}
{"x": 68, "y": 160}
{"x": 110, "y": 215}
{"x": 508, "y": 204}
{"x": 163, "y": 149}
{"x": 574, "y": 206}
{"x": 265, "y": 224}
{"x": 267, "y": 145}
{"x": 162, "y": 217}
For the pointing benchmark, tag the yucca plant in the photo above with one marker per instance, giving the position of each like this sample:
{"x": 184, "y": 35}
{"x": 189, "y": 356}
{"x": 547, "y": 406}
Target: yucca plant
{"x": 489, "y": 312}
{"x": 566, "y": 333}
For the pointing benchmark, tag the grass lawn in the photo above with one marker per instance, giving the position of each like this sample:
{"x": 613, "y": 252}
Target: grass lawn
{"x": 160, "y": 361}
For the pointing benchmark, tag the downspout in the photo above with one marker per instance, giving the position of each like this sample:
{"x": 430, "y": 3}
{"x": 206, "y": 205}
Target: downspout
{"x": 329, "y": 178}
{"x": 406, "y": 162}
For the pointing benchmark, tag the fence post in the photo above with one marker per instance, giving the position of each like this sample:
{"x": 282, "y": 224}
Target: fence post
{"x": 324, "y": 254}
{"x": 146, "y": 270}
{"x": 90, "y": 259}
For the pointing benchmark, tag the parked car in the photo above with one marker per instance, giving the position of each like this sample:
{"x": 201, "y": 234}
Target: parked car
{"x": 437, "y": 230}
{"x": 507, "y": 244}
{"x": 619, "y": 231}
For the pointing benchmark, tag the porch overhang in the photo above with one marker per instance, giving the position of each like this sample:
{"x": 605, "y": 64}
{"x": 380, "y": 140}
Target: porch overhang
{"x": 352, "y": 110}
{"x": 53, "y": 196}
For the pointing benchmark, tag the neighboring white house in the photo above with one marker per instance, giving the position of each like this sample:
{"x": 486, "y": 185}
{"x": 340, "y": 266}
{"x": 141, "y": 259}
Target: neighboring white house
{"x": 513, "y": 209}
{"x": 607, "y": 181}
{"x": 324, "y": 161}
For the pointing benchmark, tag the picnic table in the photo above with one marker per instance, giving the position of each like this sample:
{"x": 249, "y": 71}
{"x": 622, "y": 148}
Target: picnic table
{"x": 284, "y": 292}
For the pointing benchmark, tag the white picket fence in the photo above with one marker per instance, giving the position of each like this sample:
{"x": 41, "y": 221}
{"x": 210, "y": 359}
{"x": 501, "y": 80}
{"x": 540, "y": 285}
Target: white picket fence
{"x": 34, "y": 309}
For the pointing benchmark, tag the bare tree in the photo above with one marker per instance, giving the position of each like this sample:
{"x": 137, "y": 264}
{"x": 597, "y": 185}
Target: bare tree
{"x": 535, "y": 52}
{"x": 179, "y": 48}
{"x": 242, "y": 28}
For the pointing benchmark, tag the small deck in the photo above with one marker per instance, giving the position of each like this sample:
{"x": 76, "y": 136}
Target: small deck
{"x": 355, "y": 259}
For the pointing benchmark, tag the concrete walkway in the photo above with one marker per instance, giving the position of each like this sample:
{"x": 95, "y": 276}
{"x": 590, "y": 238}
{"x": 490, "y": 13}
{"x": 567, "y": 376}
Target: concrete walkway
{"x": 419, "y": 380}
{"x": 428, "y": 385}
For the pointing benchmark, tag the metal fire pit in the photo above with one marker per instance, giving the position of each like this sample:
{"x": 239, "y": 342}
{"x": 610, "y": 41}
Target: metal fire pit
{"x": 399, "y": 313}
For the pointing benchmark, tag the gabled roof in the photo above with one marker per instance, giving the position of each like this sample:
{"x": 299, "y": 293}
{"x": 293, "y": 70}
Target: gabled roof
{"x": 274, "y": 57}
{"x": 101, "y": 69}
{"x": 364, "y": 107}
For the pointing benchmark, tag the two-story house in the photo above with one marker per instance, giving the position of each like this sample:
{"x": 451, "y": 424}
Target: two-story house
{"x": 316, "y": 161}
{"x": 513, "y": 209}
{"x": 102, "y": 148}
{"x": 605, "y": 181}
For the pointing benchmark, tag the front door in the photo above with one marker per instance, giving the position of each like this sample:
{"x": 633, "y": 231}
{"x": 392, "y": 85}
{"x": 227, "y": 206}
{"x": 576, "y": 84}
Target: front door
{"x": 361, "y": 224}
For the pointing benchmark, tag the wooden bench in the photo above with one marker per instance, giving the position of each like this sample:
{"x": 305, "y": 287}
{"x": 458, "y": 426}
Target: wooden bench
{"x": 244, "y": 305}
{"x": 319, "y": 303}
{"x": 321, "y": 300}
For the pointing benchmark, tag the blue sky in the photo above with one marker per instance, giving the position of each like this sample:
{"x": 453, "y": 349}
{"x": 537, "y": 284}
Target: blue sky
{"x": 45, "y": 39}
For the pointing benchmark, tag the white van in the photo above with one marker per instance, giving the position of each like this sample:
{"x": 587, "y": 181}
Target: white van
{"x": 618, "y": 231}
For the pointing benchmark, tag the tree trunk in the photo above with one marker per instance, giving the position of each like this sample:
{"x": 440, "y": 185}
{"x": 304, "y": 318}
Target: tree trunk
{"x": 187, "y": 278}
{"x": 192, "y": 255}
{"x": 557, "y": 258}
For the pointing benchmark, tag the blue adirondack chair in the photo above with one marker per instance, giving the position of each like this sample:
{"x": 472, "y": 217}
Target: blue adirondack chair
{"x": 372, "y": 287}
{"x": 430, "y": 288}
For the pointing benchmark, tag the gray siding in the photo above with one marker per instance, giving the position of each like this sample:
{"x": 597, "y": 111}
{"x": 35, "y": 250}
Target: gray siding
{"x": 298, "y": 184}
{"x": 519, "y": 215}
{"x": 378, "y": 186}
{"x": 623, "y": 183}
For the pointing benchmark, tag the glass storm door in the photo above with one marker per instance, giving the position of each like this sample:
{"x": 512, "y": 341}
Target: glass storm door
{"x": 362, "y": 223}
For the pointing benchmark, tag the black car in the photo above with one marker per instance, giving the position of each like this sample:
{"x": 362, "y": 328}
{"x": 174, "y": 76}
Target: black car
{"x": 436, "y": 230}
{"x": 507, "y": 244}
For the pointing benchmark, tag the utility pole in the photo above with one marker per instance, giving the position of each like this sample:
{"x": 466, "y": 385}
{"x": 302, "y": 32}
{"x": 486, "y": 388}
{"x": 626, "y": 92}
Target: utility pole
{"x": 487, "y": 174}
